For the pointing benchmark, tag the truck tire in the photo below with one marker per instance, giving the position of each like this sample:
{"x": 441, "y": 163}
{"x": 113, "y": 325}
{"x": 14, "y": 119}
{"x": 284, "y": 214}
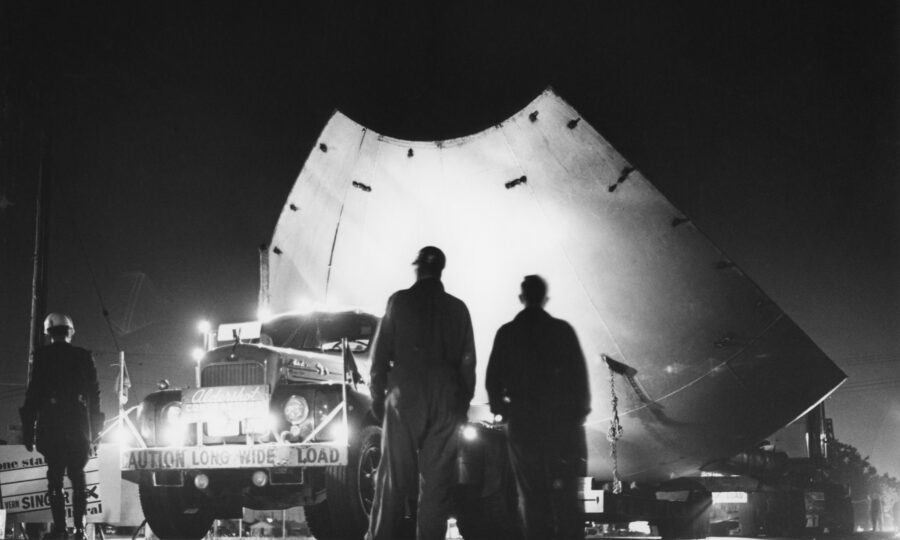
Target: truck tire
{"x": 170, "y": 515}
{"x": 488, "y": 516}
{"x": 344, "y": 514}
{"x": 692, "y": 522}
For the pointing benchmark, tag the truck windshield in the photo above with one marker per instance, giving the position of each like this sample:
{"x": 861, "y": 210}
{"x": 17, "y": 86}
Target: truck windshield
{"x": 321, "y": 331}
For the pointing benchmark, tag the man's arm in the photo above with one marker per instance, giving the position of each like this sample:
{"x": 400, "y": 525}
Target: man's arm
{"x": 93, "y": 397}
{"x": 494, "y": 379}
{"x": 28, "y": 412}
{"x": 467, "y": 362}
{"x": 578, "y": 368}
{"x": 382, "y": 354}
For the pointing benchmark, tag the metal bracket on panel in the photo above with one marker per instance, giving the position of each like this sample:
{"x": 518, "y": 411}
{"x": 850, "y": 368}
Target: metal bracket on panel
{"x": 626, "y": 172}
{"x": 513, "y": 183}
{"x": 360, "y": 185}
{"x": 630, "y": 375}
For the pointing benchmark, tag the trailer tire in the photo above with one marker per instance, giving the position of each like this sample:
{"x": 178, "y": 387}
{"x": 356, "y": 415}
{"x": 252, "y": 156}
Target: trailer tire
{"x": 171, "y": 515}
{"x": 350, "y": 491}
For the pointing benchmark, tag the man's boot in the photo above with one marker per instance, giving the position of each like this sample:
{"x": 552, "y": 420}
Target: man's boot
{"x": 79, "y": 506}
{"x": 58, "y": 511}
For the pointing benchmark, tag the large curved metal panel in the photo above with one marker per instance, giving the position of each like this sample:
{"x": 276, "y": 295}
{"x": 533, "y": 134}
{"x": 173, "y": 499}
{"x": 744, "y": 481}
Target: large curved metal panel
{"x": 717, "y": 366}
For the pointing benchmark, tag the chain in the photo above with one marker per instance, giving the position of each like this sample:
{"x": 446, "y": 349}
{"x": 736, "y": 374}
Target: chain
{"x": 615, "y": 431}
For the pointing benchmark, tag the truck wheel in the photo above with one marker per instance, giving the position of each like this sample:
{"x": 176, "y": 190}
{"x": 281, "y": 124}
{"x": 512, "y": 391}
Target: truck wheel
{"x": 171, "y": 516}
{"x": 350, "y": 490}
{"x": 489, "y": 516}
{"x": 693, "y": 522}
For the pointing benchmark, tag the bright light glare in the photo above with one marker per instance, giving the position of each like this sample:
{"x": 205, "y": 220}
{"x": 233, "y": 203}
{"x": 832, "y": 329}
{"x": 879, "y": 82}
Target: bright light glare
{"x": 469, "y": 433}
{"x": 204, "y": 326}
{"x": 197, "y": 353}
{"x": 264, "y": 314}
{"x": 173, "y": 435}
{"x": 304, "y": 306}
{"x": 340, "y": 432}
{"x": 120, "y": 436}
{"x": 642, "y": 527}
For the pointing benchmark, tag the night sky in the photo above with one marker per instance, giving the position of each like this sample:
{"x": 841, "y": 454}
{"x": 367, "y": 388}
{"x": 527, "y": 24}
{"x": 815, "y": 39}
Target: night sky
{"x": 175, "y": 132}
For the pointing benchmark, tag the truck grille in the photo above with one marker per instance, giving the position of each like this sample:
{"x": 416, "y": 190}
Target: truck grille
{"x": 233, "y": 374}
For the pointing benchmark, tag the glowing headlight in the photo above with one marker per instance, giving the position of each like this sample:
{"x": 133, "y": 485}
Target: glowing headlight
{"x": 173, "y": 429}
{"x": 296, "y": 409}
{"x": 469, "y": 433}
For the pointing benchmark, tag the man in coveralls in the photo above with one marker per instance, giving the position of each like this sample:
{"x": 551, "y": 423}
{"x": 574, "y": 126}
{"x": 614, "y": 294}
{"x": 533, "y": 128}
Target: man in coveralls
{"x": 63, "y": 399}
{"x": 422, "y": 379}
{"x": 537, "y": 380}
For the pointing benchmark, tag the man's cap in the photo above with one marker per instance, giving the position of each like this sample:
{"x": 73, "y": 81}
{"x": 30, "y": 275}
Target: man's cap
{"x": 431, "y": 257}
{"x": 58, "y": 320}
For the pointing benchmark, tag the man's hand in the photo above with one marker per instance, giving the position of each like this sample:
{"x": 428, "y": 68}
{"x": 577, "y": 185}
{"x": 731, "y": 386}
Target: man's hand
{"x": 29, "y": 445}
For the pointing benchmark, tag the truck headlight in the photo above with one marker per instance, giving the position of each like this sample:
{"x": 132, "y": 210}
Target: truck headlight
{"x": 296, "y": 409}
{"x": 173, "y": 429}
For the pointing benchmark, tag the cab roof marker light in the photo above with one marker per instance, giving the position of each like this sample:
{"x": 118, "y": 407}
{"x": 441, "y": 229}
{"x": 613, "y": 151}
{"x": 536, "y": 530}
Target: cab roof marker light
{"x": 204, "y": 326}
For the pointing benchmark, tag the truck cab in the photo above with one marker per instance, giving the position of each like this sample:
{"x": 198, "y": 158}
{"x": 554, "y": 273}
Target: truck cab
{"x": 279, "y": 416}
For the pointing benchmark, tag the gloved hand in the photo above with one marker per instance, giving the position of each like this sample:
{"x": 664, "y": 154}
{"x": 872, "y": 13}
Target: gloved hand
{"x": 378, "y": 410}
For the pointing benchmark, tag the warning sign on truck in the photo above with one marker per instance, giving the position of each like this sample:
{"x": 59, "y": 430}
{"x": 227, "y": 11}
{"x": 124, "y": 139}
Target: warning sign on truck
{"x": 234, "y": 457}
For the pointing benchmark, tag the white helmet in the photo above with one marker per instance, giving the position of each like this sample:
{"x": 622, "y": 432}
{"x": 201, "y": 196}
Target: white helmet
{"x": 55, "y": 320}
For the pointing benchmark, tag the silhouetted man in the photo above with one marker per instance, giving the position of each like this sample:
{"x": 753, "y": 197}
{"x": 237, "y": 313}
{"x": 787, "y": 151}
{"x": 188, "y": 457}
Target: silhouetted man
{"x": 537, "y": 380}
{"x": 63, "y": 400}
{"x": 422, "y": 379}
{"x": 875, "y": 511}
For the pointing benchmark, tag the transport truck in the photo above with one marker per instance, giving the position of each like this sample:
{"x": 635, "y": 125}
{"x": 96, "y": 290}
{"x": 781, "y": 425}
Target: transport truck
{"x": 277, "y": 418}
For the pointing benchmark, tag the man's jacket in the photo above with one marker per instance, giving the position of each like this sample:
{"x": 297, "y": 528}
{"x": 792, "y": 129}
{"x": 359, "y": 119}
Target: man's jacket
{"x": 62, "y": 403}
{"x": 537, "y": 372}
{"x": 425, "y": 339}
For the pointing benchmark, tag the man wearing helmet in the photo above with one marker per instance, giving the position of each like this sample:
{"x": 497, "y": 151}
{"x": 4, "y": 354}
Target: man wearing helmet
{"x": 422, "y": 379}
{"x": 61, "y": 415}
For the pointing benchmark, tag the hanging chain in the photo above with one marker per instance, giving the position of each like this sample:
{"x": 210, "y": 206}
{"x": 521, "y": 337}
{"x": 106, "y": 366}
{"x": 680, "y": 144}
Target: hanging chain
{"x": 615, "y": 430}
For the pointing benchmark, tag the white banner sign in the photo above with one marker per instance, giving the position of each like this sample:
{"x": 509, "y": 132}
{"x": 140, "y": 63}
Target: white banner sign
{"x": 233, "y": 457}
{"x": 23, "y": 485}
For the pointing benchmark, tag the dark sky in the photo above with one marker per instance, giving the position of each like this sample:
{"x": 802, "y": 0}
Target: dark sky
{"x": 176, "y": 131}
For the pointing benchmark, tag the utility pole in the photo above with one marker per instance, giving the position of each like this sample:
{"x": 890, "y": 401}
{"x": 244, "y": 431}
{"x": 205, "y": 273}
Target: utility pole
{"x": 39, "y": 259}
